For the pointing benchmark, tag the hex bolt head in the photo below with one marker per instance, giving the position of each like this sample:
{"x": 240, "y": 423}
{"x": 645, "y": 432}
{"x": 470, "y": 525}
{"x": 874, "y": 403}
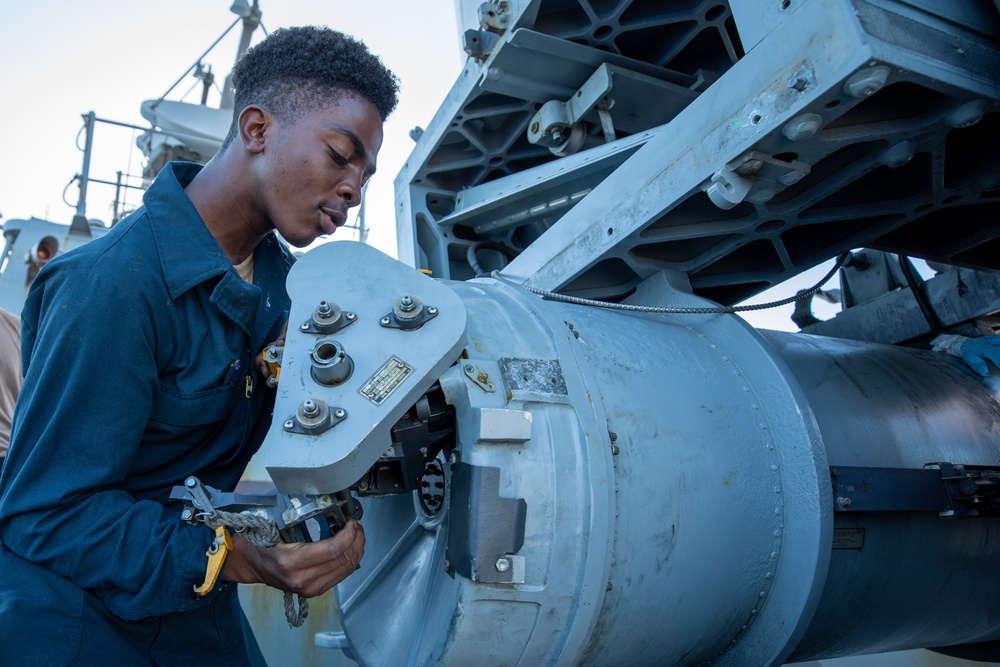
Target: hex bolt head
{"x": 502, "y": 564}
{"x": 186, "y": 515}
{"x": 866, "y": 82}
{"x": 967, "y": 114}
{"x": 802, "y": 127}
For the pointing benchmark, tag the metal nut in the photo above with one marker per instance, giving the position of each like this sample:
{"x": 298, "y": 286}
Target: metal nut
{"x": 502, "y": 564}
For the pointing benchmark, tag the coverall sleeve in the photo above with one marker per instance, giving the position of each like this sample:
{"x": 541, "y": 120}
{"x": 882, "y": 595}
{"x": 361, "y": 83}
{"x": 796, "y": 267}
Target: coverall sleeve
{"x": 91, "y": 382}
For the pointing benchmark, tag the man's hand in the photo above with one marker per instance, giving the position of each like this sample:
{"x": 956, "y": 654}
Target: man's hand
{"x": 307, "y": 569}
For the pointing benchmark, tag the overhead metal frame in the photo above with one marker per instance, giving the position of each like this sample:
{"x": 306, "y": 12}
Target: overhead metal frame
{"x": 847, "y": 124}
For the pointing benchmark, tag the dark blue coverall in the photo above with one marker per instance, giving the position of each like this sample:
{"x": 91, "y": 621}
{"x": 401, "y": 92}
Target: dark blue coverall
{"x": 126, "y": 345}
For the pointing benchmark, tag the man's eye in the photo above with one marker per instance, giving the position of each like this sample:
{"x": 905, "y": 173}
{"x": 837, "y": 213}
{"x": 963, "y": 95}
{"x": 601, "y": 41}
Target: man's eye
{"x": 338, "y": 158}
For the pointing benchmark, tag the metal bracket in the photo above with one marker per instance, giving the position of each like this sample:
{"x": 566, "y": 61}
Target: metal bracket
{"x": 408, "y": 314}
{"x": 328, "y": 318}
{"x": 313, "y": 417}
{"x": 484, "y": 530}
{"x": 951, "y": 490}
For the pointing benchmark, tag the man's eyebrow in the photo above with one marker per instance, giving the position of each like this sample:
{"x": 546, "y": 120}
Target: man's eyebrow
{"x": 359, "y": 147}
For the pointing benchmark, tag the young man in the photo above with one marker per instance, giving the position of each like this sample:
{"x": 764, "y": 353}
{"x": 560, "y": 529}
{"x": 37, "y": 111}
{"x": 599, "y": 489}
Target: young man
{"x": 128, "y": 345}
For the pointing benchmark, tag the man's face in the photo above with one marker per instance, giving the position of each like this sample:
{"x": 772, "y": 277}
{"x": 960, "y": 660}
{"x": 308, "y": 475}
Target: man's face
{"x": 313, "y": 167}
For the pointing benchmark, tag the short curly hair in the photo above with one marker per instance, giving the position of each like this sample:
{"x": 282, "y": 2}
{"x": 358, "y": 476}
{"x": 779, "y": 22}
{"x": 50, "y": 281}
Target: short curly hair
{"x": 299, "y": 68}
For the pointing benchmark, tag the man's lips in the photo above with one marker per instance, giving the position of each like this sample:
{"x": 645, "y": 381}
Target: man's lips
{"x": 331, "y": 219}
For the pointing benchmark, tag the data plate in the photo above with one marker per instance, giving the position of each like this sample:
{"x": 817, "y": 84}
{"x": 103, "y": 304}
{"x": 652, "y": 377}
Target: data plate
{"x": 386, "y": 379}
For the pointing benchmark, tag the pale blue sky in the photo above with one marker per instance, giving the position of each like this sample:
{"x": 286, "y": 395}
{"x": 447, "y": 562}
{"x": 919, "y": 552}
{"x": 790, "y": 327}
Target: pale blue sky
{"x": 63, "y": 58}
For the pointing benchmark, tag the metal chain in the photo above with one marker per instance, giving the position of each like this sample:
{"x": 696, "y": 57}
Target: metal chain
{"x": 262, "y": 532}
{"x": 555, "y": 296}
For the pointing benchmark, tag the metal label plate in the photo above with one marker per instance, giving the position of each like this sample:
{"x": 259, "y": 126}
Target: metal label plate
{"x": 848, "y": 538}
{"x": 381, "y": 385}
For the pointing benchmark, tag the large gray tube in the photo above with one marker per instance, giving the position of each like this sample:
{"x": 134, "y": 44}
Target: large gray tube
{"x": 918, "y": 580}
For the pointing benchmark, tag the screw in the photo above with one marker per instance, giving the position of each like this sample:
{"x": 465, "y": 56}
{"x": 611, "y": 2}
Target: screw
{"x": 432, "y": 311}
{"x": 289, "y": 425}
{"x": 400, "y": 364}
{"x": 614, "y": 450}
{"x": 844, "y": 502}
{"x": 339, "y": 413}
{"x": 362, "y": 486}
{"x": 304, "y": 326}
{"x": 469, "y": 368}
{"x": 502, "y": 564}
{"x": 351, "y": 316}
{"x": 385, "y": 321}
{"x": 272, "y": 382}
{"x": 613, "y": 436}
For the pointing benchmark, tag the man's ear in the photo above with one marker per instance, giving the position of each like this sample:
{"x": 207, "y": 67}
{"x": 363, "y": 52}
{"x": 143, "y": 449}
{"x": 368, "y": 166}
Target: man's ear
{"x": 253, "y": 124}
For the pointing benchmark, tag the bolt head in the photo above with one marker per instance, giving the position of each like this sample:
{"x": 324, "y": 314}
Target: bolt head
{"x": 432, "y": 310}
{"x": 289, "y": 425}
{"x": 304, "y": 326}
{"x": 502, "y": 564}
{"x": 351, "y": 316}
{"x": 385, "y": 320}
{"x": 339, "y": 413}
{"x": 190, "y": 482}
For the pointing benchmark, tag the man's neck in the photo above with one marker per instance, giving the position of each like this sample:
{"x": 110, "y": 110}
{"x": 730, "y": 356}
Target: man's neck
{"x": 225, "y": 201}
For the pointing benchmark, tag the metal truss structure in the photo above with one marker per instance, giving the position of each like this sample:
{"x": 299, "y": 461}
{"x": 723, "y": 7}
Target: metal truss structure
{"x": 590, "y": 144}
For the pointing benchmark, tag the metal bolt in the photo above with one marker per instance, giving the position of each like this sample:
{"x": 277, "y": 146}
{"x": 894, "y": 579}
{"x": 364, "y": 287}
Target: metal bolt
{"x": 502, "y": 564}
{"x": 289, "y": 425}
{"x": 844, "y": 502}
{"x": 362, "y": 486}
{"x": 400, "y": 364}
{"x": 432, "y": 310}
{"x": 339, "y": 413}
{"x": 406, "y": 303}
{"x": 309, "y": 408}
{"x": 613, "y": 436}
{"x": 304, "y": 326}
{"x": 802, "y": 127}
{"x": 186, "y": 515}
{"x": 272, "y": 382}
{"x": 385, "y": 321}
{"x": 614, "y": 450}
{"x": 866, "y": 82}
{"x": 351, "y": 316}
{"x": 190, "y": 482}
{"x": 469, "y": 368}
{"x": 324, "y": 308}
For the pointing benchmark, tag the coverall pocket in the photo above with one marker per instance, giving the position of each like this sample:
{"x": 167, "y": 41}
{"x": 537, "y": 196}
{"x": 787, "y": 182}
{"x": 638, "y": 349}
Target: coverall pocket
{"x": 193, "y": 409}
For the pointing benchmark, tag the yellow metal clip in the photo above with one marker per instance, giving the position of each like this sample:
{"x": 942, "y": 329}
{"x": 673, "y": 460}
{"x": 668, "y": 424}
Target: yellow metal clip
{"x": 216, "y": 553}
{"x": 272, "y": 359}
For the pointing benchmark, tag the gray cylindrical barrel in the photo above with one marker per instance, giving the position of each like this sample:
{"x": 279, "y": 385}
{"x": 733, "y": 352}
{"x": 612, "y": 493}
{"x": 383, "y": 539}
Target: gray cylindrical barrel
{"x": 905, "y": 578}
{"x": 679, "y": 502}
